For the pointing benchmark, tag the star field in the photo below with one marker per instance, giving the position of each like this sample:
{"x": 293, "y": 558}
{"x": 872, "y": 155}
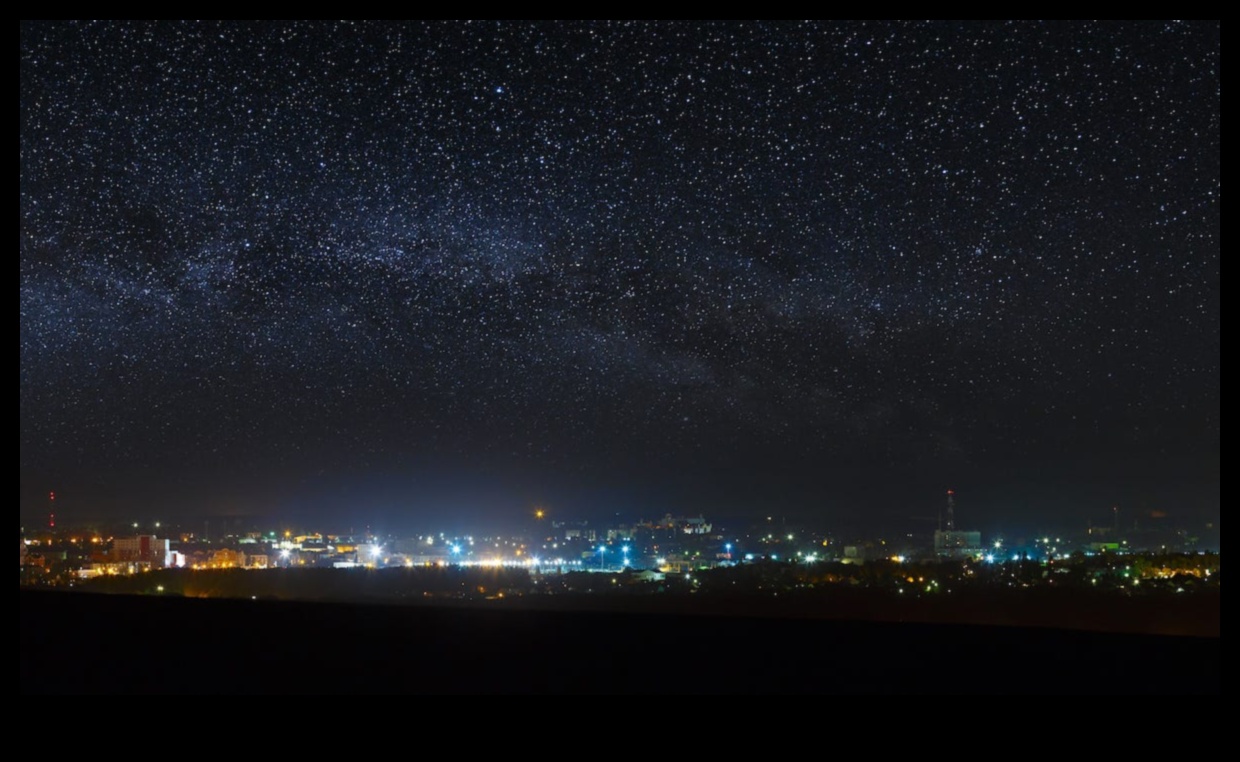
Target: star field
{"x": 824, "y": 264}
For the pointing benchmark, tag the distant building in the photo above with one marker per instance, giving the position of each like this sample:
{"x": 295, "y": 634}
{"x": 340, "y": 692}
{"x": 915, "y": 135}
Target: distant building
{"x": 224, "y": 558}
{"x": 679, "y": 525}
{"x": 697, "y": 525}
{"x": 98, "y": 569}
{"x": 955, "y": 543}
{"x": 143, "y": 549}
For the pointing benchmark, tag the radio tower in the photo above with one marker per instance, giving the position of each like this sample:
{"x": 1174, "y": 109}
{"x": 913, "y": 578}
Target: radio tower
{"x": 951, "y": 510}
{"x": 51, "y": 510}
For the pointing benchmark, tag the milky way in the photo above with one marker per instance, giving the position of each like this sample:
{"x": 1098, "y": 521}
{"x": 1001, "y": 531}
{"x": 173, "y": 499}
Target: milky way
{"x": 787, "y": 262}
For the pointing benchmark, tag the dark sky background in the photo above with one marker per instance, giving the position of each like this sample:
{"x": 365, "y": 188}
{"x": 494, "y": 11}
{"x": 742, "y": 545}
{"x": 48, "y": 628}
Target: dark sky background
{"x": 437, "y": 272}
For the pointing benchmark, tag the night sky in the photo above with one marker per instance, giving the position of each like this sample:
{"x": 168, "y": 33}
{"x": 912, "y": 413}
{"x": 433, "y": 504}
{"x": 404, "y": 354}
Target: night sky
{"x": 432, "y": 272}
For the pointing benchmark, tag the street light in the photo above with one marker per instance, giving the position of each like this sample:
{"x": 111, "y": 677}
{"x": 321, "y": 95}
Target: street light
{"x": 601, "y": 550}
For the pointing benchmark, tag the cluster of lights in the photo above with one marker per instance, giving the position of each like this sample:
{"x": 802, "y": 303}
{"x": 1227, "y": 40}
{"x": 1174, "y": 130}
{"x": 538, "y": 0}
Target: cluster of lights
{"x": 516, "y": 563}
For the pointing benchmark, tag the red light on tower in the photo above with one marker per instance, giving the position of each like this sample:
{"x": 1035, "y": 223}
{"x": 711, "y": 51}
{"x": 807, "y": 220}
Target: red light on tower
{"x": 51, "y": 510}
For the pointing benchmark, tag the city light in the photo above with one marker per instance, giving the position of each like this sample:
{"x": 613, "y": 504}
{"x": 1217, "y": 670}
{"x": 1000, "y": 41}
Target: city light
{"x": 671, "y": 555}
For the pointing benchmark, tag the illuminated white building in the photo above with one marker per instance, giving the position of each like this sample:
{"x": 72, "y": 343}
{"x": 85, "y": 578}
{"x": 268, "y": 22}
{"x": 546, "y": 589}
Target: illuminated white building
{"x": 143, "y": 549}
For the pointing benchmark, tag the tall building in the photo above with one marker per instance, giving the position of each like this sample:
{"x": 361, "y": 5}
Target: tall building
{"x": 143, "y": 549}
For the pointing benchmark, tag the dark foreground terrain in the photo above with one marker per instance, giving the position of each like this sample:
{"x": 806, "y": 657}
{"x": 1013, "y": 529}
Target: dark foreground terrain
{"x": 111, "y": 643}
